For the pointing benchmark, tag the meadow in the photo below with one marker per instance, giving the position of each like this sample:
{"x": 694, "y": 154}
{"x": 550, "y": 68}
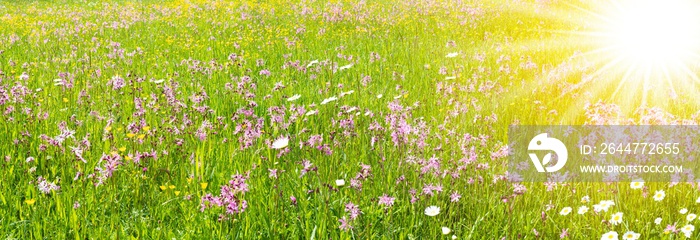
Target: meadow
{"x": 194, "y": 119}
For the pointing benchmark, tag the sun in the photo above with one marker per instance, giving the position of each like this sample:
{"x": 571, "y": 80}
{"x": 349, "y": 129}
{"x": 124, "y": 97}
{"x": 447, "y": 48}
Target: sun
{"x": 652, "y": 33}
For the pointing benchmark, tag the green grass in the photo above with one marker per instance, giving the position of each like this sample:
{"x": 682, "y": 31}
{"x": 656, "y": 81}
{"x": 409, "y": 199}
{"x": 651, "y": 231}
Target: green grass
{"x": 187, "y": 44}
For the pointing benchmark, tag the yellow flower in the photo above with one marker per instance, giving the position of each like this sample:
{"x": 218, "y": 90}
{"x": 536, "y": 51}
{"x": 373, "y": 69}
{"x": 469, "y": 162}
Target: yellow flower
{"x": 121, "y": 149}
{"x": 172, "y": 186}
{"x": 127, "y": 157}
{"x": 130, "y": 135}
{"x": 65, "y": 99}
{"x": 177, "y": 193}
{"x": 146, "y": 128}
{"x": 163, "y": 188}
{"x": 189, "y": 180}
{"x": 108, "y": 128}
{"x": 30, "y": 201}
{"x": 141, "y": 136}
{"x": 204, "y": 185}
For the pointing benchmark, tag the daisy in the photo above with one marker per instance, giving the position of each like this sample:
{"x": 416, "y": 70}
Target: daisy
{"x": 451, "y": 55}
{"x": 683, "y": 210}
{"x": 630, "y": 235}
{"x": 432, "y": 211}
{"x": 691, "y": 217}
{"x": 585, "y": 199}
{"x": 657, "y": 221}
{"x": 697, "y": 201}
{"x": 612, "y": 235}
{"x": 659, "y": 195}
{"x": 688, "y": 230}
{"x": 616, "y": 218}
{"x": 381, "y": 95}
{"x": 582, "y": 209}
{"x": 292, "y": 98}
{"x": 637, "y": 184}
{"x": 340, "y": 182}
{"x": 446, "y": 230}
{"x": 565, "y": 211}
{"x": 280, "y": 143}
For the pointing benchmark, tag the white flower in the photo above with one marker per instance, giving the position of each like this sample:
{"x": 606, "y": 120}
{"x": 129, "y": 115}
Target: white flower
{"x": 657, "y": 221}
{"x": 631, "y": 235}
{"x": 452, "y": 54}
{"x": 604, "y": 205}
{"x": 585, "y": 199}
{"x": 327, "y": 100}
{"x": 340, "y": 182}
{"x": 292, "y": 98}
{"x": 398, "y": 96}
{"x": 345, "y": 67}
{"x": 612, "y": 235}
{"x": 311, "y": 63}
{"x": 450, "y": 78}
{"x": 565, "y": 211}
{"x": 688, "y": 229}
{"x": 659, "y": 195}
{"x": 454, "y": 237}
{"x": 582, "y": 209}
{"x": 312, "y": 112}
{"x": 683, "y": 210}
{"x": 446, "y": 230}
{"x": 347, "y": 93}
{"x": 616, "y": 218}
{"x": 691, "y": 217}
{"x": 697, "y": 201}
{"x": 380, "y": 96}
{"x": 280, "y": 143}
{"x": 637, "y": 184}
{"x": 432, "y": 211}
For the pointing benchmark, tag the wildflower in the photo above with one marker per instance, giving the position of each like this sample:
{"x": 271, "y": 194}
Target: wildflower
{"x": 564, "y": 233}
{"x": 454, "y": 197}
{"x": 616, "y": 218}
{"x": 691, "y": 217}
{"x": 353, "y": 209}
{"x": 292, "y": 98}
{"x": 280, "y": 143}
{"x": 657, "y": 221}
{"x": 340, "y": 182}
{"x": 344, "y": 224}
{"x": 451, "y": 55}
{"x": 565, "y": 211}
{"x": 76, "y": 205}
{"x": 386, "y": 200}
{"x": 582, "y": 209}
{"x": 683, "y": 210}
{"x": 327, "y": 100}
{"x": 688, "y": 230}
{"x": 637, "y": 184}
{"x": 204, "y": 185}
{"x": 659, "y": 195}
{"x": 432, "y": 211}
{"x": 631, "y": 235}
{"x": 698, "y": 200}
{"x": 345, "y": 67}
{"x": 612, "y": 235}
{"x": 30, "y": 201}
{"x": 585, "y": 199}
{"x": 446, "y": 230}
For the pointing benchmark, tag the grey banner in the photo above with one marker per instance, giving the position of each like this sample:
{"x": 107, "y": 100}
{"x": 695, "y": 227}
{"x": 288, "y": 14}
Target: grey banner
{"x": 603, "y": 153}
